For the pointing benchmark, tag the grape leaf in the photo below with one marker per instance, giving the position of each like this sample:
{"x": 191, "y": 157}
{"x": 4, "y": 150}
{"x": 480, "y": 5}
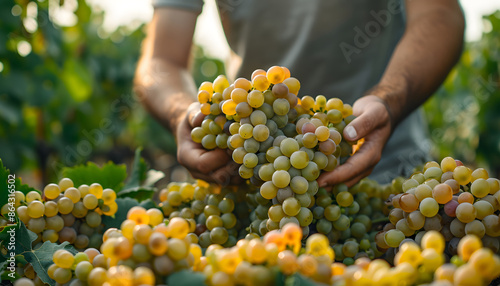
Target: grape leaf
{"x": 41, "y": 258}
{"x": 124, "y": 204}
{"x": 23, "y": 238}
{"x": 109, "y": 175}
{"x": 148, "y": 204}
{"x": 138, "y": 173}
{"x": 138, "y": 193}
{"x": 185, "y": 278}
{"x": 299, "y": 280}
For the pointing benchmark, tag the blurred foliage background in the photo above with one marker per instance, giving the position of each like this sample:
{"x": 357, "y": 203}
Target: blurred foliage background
{"x": 66, "y": 95}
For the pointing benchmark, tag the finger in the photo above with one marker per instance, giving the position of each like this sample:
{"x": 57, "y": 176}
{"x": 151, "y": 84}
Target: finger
{"x": 354, "y": 181}
{"x": 197, "y": 119}
{"x": 371, "y": 115}
{"x": 355, "y": 165}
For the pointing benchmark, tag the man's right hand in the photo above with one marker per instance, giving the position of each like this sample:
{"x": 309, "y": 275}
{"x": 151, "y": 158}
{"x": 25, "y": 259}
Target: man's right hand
{"x": 210, "y": 165}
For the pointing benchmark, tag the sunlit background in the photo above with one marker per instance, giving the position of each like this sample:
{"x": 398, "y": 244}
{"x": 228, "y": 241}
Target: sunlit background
{"x": 66, "y": 70}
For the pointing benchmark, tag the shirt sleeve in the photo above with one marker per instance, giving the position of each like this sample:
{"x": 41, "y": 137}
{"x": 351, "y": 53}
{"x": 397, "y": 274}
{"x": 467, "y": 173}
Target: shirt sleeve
{"x": 191, "y": 5}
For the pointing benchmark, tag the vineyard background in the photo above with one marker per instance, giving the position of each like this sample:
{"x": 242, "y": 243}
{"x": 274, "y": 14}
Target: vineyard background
{"x": 66, "y": 96}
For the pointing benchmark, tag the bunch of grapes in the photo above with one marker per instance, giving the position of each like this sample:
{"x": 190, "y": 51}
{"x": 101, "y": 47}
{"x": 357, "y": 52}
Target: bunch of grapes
{"x": 281, "y": 142}
{"x": 218, "y": 214}
{"x": 449, "y": 198}
{"x": 144, "y": 251}
{"x": 66, "y": 213}
{"x": 415, "y": 265}
{"x": 255, "y": 261}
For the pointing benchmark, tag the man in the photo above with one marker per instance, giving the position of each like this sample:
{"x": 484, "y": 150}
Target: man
{"x": 386, "y": 57}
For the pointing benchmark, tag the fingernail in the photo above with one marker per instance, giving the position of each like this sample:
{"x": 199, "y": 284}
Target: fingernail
{"x": 351, "y": 132}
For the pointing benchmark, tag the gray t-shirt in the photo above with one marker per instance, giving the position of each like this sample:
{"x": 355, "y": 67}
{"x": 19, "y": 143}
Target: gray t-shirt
{"x": 338, "y": 48}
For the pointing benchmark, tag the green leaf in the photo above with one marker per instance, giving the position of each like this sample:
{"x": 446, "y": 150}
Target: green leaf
{"x": 185, "y": 278}
{"x": 23, "y": 238}
{"x": 138, "y": 193}
{"x": 124, "y": 204}
{"x": 153, "y": 176}
{"x": 138, "y": 173}
{"x": 41, "y": 258}
{"x": 299, "y": 280}
{"x": 4, "y": 185}
{"x": 148, "y": 204}
{"x": 109, "y": 176}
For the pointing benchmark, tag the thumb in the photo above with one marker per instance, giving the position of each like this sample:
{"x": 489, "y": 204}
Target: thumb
{"x": 371, "y": 114}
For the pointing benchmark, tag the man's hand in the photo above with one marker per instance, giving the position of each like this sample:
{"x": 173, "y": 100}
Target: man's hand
{"x": 209, "y": 165}
{"x": 373, "y": 123}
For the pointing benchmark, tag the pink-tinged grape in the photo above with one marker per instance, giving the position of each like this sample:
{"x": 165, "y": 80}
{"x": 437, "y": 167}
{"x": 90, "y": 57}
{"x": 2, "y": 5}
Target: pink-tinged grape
{"x": 280, "y": 90}
{"x": 457, "y": 228}
{"x": 454, "y": 185}
{"x": 429, "y": 207}
{"x": 327, "y": 147}
{"x": 465, "y": 212}
{"x": 308, "y": 127}
{"x": 450, "y": 208}
{"x": 480, "y": 188}
{"x": 415, "y": 220}
{"x": 442, "y": 193}
{"x": 466, "y": 197}
{"x": 492, "y": 225}
{"x": 408, "y": 202}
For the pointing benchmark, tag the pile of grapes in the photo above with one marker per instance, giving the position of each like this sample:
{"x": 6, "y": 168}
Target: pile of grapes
{"x": 441, "y": 226}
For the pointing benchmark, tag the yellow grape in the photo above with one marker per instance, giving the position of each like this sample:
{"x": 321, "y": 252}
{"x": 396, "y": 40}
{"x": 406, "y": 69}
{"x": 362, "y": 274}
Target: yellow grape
{"x": 155, "y": 216}
{"x": 138, "y": 214}
{"x": 275, "y": 74}
{"x": 207, "y": 86}
{"x": 65, "y": 183}
{"x": 73, "y": 194}
{"x": 220, "y": 84}
{"x": 108, "y": 196}
{"x": 96, "y": 190}
{"x": 51, "y": 191}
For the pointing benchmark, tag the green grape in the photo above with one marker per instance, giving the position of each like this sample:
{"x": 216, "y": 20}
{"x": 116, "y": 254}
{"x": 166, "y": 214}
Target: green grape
{"x": 311, "y": 171}
{"x": 214, "y": 127}
{"x": 282, "y": 163}
{"x": 284, "y": 193}
{"x": 429, "y": 207}
{"x": 281, "y": 106}
{"x": 332, "y": 163}
{"x": 457, "y": 228}
{"x": 50, "y": 235}
{"x": 83, "y": 270}
{"x": 350, "y": 248}
{"x": 466, "y": 212}
{"x": 344, "y": 199}
{"x": 402, "y": 225}
{"x": 483, "y": 209}
{"x": 275, "y": 213}
{"x": 79, "y": 210}
{"x": 63, "y": 258}
{"x": 304, "y": 217}
{"x": 36, "y": 209}
{"x": 299, "y": 159}
{"x": 90, "y": 201}
{"x": 264, "y": 146}
{"x": 393, "y": 237}
{"x": 251, "y": 145}
{"x": 475, "y": 227}
{"x": 313, "y": 188}
{"x": 36, "y": 225}
{"x": 238, "y": 155}
{"x": 291, "y": 206}
{"x": 324, "y": 226}
{"x": 288, "y": 146}
{"x": 245, "y": 173}
{"x": 334, "y": 116}
{"x": 309, "y": 140}
{"x": 73, "y": 194}
{"x": 304, "y": 199}
{"x": 219, "y": 235}
{"x": 433, "y": 173}
{"x": 250, "y": 160}
{"x": 310, "y": 152}
{"x": 234, "y": 128}
{"x": 246, "y": 131}
{"x": 480, "y": 188}
{"x": 62, "y": 275}
{"x": 255, "y": 99}
{"x": 258, "y": 117}
{"x": 332, "y": 212}
{"x": 226, "y": 205}
{"x": 222, "y": 141}
{"x": 281, "y": 178}
{"x": 409, "y": 184}
{"x": 208, "y": 142}
{"x": 415, "y": 220}
{"x": 214, "y": 221}
{"x": 261, "y": 132}
{"x": 273, "y": 153}
{"x": 272, "y": 126}
{"x": 33, "y": 196}
{"x": 286, "y": 220}
{"x": 321, "y": 160}
{"x": 55, "y": 223}
{"x": 299, "y": 184}
{"x": 93, "y": 219}
{"x": 358, "y": 230}
{"x": 289, "y": 130}
{"x": 268, "y": 190}
{"x": 342, "y": 223}
{"x": 51, "y": 191}
{"x": 229, "y": 220}
{"x": 140, "y": 252}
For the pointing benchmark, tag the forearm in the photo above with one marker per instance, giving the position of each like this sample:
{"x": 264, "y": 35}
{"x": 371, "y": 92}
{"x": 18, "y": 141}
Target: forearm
{"x": 431, "y": 45}
{"x": 165, "y": 89}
